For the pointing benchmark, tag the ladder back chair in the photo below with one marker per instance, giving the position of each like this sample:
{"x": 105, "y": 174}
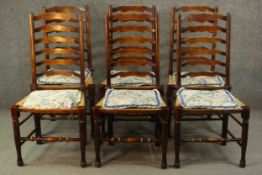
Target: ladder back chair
{"x": 143, "y": 56}
{"x": 136, "y": 49}
{"x": 44, "y": 103}
{"x": 185, "y": 10}
{"x": 127, "y": 45}
{"x": 212, "y": 100}
{"x": 89, "y": 85}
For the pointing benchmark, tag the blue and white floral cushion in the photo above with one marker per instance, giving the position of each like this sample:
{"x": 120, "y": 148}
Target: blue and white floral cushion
{"x": 131, "y": 80}
{"x": 200, "y": 80}
{"x": 53, "y": 99}
{"x": 216, "y": 99}
{"x": 132, "y": 99}
{"x": 62, "y": 79}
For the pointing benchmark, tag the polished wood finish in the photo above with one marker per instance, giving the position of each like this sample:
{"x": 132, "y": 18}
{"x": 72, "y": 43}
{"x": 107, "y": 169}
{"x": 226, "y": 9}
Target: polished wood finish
{"x": 75, "y": 11}
{"x": 136, "y": 51}
{"x": 69, "y": 60}
{"x": 123, "y": 53}
{"x": 196, "y": 53}
{"x": 68, "y": 55}
{"x": 18, "y": 108}
{"x": 196, "y": 15}
{"x": 180, "y": 113}
{"x": 198, "y": 11}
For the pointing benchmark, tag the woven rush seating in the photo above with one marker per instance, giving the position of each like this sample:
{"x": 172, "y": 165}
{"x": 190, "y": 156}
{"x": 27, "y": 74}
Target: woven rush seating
{"x": 54, "y": 102}
{"x": 212, "y": 102}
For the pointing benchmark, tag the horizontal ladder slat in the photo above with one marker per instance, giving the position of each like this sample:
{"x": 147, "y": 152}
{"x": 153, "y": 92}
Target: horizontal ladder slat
{"x": 201, "y": 51}
{"x": 205, "y": 17}
{"x": 56, "y": 28}
{"x": 59, "y": 62}
{"x": 211, "y": 29}
{"x": 57, "y": 39}
{"x": 129, "y": 50}
{"x": 202, "y": 40}
{"x": 59, "y": 50}
{"x": 61, "y": 72}
{"x": 64, "y": 9}
{"x": 196, "y": 8}
{"x": 68, "y": 17}
{"x": 124, "y": 17}
{"x": 125, "y": 61}
{"x": 132, "y": 8}
{"x": 132, "y": 39}
{"x": 133, "y": 28}
{"x": 200, "y": 61}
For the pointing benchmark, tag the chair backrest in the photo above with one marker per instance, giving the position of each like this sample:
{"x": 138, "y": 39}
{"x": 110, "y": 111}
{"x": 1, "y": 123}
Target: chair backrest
{"x": 76, "y": 10}
{"x": 132, "y": 39}
{"x": 65, "y": 42}
{"x": 192, "y": 50}
{"x": 186, "y": 10}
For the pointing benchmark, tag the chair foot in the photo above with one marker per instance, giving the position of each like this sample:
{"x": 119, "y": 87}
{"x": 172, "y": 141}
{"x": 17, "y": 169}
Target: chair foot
{"x": 169, "y": 136}
{"x": 83, "y": 164}
{"x": 20, "y": 163}
{"x": 177, "y": 164}
{"x": 242, "y": 163}
{"x": 223, "y": 143}
{"x": 98, "y": 164}
{"x": 39, "y": 142}
{"x": 157, "y": 144}
{"x": 110, "y": 143}
{"x": 163, "y": 165}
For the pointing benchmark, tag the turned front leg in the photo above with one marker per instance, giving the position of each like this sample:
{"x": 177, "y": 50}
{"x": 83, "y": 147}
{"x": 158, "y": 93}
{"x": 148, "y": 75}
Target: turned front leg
{"x": 164, "y": 139}
{"x": 245, "y": 117}
{"x": 82, "y": 132}
{"x": 97, "y": 137}
{"x": 177, "y": 113}
{"x": 15, "y": 115}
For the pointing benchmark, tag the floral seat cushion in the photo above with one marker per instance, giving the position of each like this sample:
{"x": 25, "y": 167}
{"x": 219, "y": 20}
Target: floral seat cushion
{"x": 216, "y": 99}
{"x": 53, "y": 99}
{"x": 132, "y": 99}
{"x": 200, "y": 80}
{"x": 131, "y": 80}
{"x": 62, "y": 79}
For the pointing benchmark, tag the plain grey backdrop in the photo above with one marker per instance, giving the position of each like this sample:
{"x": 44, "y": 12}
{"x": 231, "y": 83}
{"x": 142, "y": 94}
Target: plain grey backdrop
{"x": 246, "y": 54}
{"x": 62, "y": 158}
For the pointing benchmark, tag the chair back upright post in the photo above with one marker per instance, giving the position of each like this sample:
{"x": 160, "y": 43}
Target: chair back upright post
{"x": 196, "y": 55}
{"x": 82, "y": 53}
{"x": 228, "y": 40}
{"x": 57, "y": 41}
{"x": 32, "y": 50}
{"x": 125, "y": 46}
{"x": 88, "y": 38}
{"x": 107, "y": 46}
{"x": 186, "y": 10}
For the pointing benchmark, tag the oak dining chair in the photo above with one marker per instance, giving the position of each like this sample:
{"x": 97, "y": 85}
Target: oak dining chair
{"x": 53, "y": 102}
{"x": 89, "y": 85}
{"x": 132, "y": 52}
{"x": 171, "y": 83}
{"x": 216, "y": 100}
